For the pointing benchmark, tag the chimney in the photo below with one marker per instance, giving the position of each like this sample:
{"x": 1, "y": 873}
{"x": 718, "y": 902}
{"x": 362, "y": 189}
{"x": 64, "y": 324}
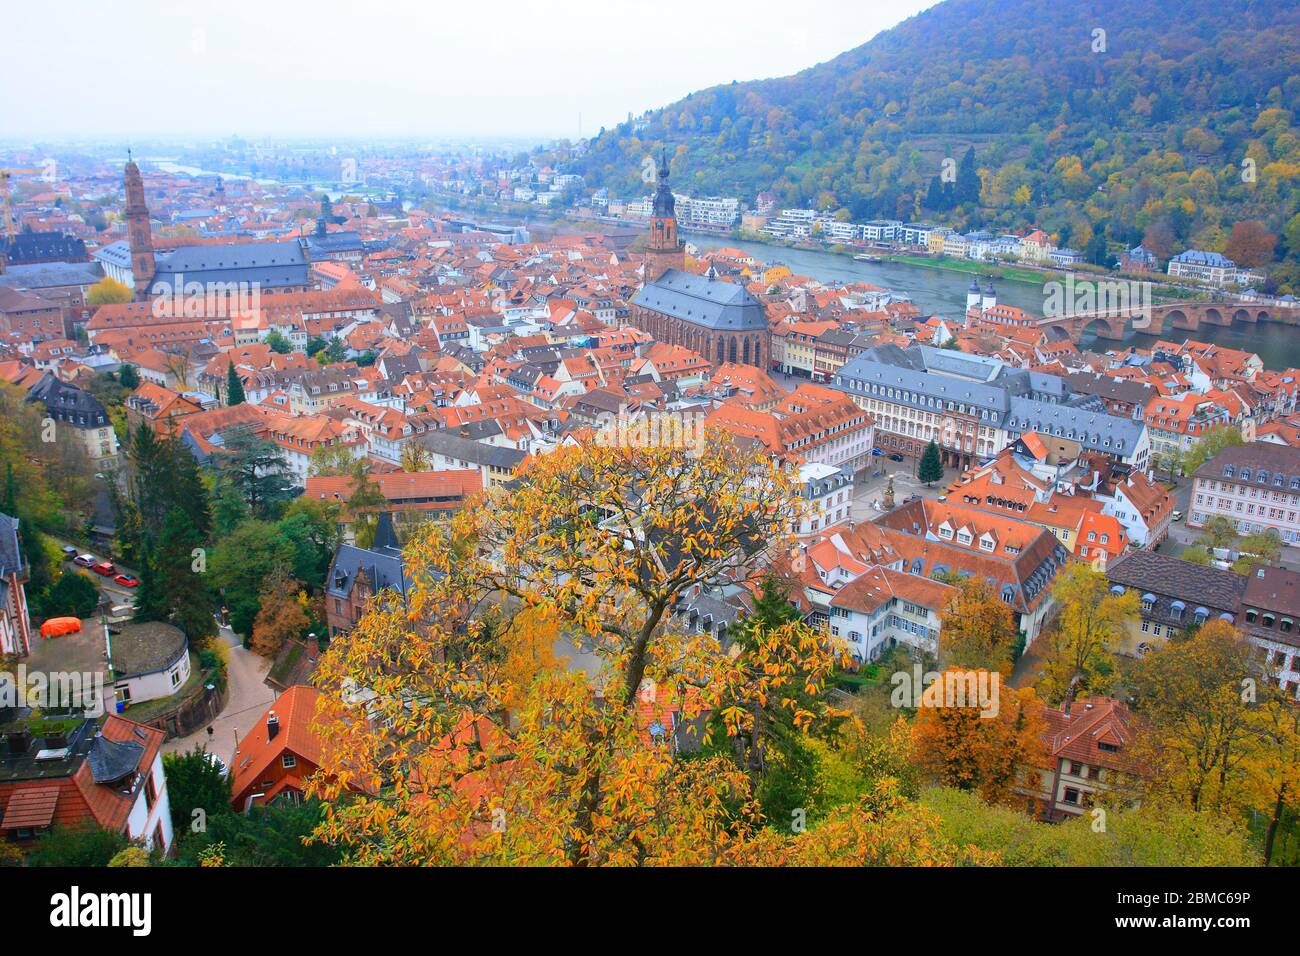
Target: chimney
{"x": 272, "y": 726}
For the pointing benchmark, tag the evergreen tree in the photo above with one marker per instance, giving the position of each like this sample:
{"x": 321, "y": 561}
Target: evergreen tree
{"x": 40, "y": 576}
{"x": 150, "y": 597}
{"x": 129, "y": 377}
{"x": 256, "y": 466}
{"x": 772, "y": 606}
{"x": 73, "y": 595}
{"x": 187, "y": 490}
{"x": 930, "y": 468}
{"x": 967, "y": 188}
{"x": 1096, "y": 251}
{"x": 188, "y": 604}
{"x": 234, "y": 387}
{"x": 934, "y": 198}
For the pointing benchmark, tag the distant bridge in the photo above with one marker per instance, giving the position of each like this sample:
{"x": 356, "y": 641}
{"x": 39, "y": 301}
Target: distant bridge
{"x": 1115, "y": 323}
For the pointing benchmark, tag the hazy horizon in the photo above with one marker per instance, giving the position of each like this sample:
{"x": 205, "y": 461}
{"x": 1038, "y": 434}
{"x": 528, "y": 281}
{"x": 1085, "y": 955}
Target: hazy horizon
{"x": 303, "y": 70}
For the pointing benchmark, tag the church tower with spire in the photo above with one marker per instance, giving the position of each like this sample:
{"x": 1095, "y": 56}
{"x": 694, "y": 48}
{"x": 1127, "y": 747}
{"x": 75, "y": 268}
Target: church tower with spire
{"x": 138, "y": 231}
{"x": 665, "y": 250}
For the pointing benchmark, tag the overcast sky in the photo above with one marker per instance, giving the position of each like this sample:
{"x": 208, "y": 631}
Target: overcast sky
{"x": 79, "y": 68}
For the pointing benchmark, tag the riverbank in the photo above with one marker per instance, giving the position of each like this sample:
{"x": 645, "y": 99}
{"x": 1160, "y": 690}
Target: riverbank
{"x": 1010, "y": 273}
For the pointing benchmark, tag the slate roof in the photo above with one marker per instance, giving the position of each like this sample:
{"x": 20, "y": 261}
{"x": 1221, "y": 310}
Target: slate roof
{"x": 1266, "y": 461}
{"x": 1008, "y": 398}
{"x": 382, "y": 563}
{"x": 711, "y": 303}
{"x": 145, "y": 648}
{"x": 333, "y": 242}
{"x": 52, "y": 275}
{"x": 443, "y": 442}
{"x": 270, "y": 265}
{"x": 111, "y": 760}
{"x": 67, "y": 403}
{"x": 1170, "y": 580}
{"x": 11, "y": 555}
{"x": 31, "y": 247}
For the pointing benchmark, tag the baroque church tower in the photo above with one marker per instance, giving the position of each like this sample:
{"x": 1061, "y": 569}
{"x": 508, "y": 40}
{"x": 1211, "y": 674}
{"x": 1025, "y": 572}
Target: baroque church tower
{"x": 665, "y": 250}
{"x": 138, "y": 231}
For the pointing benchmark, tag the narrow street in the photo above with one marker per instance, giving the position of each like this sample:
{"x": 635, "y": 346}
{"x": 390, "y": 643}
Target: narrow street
{"x": 248, "y": 697}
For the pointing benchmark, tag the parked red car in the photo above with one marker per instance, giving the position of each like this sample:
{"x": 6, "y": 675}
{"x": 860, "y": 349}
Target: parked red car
{"x": 105, "y": 568}
{"x": 127, "y": 580}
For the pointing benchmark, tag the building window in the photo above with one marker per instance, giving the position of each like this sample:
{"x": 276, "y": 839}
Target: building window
{"x": 288, "y": 761}
{"x": 1072, "y": 795}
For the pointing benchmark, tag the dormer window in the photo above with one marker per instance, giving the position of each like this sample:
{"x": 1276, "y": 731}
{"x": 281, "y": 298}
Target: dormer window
{"x": 1229, "y": 471}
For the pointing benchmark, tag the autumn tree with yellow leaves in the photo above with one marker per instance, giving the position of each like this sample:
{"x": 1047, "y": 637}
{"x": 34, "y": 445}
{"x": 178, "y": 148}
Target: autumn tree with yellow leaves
{"x": 978, "y": 628}
{"x": 991, "y": 750}
{"x": 599, "y": 544}
{"x": 1078, "y": 647}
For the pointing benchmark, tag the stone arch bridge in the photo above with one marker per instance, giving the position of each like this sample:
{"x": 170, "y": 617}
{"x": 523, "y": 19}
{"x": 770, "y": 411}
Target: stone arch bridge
{"x": 1116, "y": 323}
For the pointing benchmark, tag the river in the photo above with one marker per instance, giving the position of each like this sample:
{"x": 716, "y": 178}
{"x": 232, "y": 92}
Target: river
{"x": 943, "y": 292}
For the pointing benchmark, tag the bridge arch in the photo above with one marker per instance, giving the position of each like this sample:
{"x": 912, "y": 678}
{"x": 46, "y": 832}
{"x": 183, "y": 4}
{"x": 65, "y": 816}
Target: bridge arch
{"x": 1105, "y": 327}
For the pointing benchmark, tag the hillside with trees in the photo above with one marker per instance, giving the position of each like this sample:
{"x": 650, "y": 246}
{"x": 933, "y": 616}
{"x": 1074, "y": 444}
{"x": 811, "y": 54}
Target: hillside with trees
{"x": 1111, "y": 117}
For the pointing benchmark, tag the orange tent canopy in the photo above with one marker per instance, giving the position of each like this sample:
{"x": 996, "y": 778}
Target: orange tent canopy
{"x": 58, "y": 626}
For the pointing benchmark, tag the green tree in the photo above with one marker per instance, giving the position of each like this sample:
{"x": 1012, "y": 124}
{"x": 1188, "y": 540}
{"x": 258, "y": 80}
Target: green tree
{"x": 930, "y": 468}
{"x": 1260, "y": 548}
{"x": 180, "y": 567}
{"x": 82, "y": 847}
{"x": 1214, "y": 441}
{"x": 275, "y": 835}
{"x": 242, "y": 562}
{"x": 228, "y": 506}
{"x": 312, "y": 527}
{"x": 278, "y": 343}
{"x": 365, "y": 503}
{"x": 73, "y": 595}
{"x": 1218, "y": 532}
{"x": 129, "y": 377}
{"x": 256, "y": 466}
{"x": 234, "y": 386}
{"x": 194, "y": 782}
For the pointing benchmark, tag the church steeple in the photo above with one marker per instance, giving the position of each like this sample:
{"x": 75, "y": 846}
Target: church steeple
{"x": 138, "y": 231}
{"x": 665, "y": 250}
{"x": 664, "y": 204}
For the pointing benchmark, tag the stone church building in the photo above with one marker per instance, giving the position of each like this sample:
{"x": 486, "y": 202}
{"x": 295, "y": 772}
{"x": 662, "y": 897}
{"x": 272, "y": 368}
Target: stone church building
{"x": 720, "y": 320}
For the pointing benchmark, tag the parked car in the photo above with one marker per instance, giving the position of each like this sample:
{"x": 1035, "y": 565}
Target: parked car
{"x": 217, "y": 762}
{"x": 895, "y": 457}
{"x": 69, "y": 552}
{"x": 910, "y": 498}
{"x": 1177, "y": 516}
{"x": 105, "y": 568}
{"x": 85, "y": 560}
{"x": 127, "y": 580}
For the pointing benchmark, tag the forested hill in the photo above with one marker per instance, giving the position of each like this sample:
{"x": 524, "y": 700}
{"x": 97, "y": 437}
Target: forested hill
{"x": 1148, "y": 121}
